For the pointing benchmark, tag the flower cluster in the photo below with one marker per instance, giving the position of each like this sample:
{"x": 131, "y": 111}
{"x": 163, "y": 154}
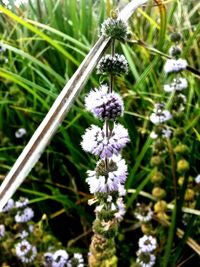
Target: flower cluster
{"x": 174, "y": 68}
{"x": 108, "y": 176}
{"x": 60, "y": 258}
{"x": 25, "y": 251}
{"x": 97, "y": 142}
{"x": 104, "y": 105}
{"x": 27, "y": 241}
{"x": 107, "y": 179}
{"x": 147, "y": 245}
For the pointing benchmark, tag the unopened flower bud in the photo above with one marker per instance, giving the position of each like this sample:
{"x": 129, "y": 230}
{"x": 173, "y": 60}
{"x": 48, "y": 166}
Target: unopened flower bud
{"x": 146, "y": 228}
{"x": 159, "y": 145}
{"x": 158, "y": 192}
{"x": 181, "y": 180}
{"x": 189, "y": 195}
{"x": 192, "y": 204}
{"x": 160, "y": 206}
{"x": 156, "y": 160}
{"x": 183, "y": 165}
{"x": 157, "y": 177}
{"x": 181, "y": 149}
{"x": 163, "y": 216}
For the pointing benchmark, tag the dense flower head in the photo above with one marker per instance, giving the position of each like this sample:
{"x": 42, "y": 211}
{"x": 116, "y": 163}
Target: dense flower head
{"x": 48, "y": 258}
{"x": 20, "y": 133}
{"x": 165, "y": 133}
{"x": 60, "y": 258}
{"x": 104, "y": 105}
{"x": 116, "y": 64}
{"x": 76, "y": 261}
{"x": 108, "y": 177}
{"x": 25, "y": 251}
{"x": 143, "y": 213}
{"x": 97, "y": 143}
{"x": 175, "y": 65}
{"x": 178, "y": 84}
{"x": 21, "y": 202}
{"x": 9, "y": 205}
{"x": 114, "y": 28}
{"x": 24, "y": 215}
{"x": 160, "y": 115}
{"x": 147, "y": 243}
{"x": 145, "y": 259}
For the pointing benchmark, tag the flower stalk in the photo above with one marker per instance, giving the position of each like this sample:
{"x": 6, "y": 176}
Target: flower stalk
{"x": 107, "y": 180}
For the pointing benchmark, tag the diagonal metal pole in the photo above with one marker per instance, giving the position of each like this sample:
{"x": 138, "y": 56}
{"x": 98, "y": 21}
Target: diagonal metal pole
{"x": 42, "y": 136}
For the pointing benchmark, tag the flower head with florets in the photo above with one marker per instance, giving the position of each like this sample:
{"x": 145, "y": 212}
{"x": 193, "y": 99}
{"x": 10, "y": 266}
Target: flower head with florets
{"x": 97, "y": 143}
{"x": 160, "y": 115}
{"x": 178, "y": 84}
{"x": 175, "y": 65}
{"x": 104, "y": 105}
{"x": 108, "y": 177}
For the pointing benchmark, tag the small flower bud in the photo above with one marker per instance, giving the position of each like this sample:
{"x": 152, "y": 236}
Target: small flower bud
{"x": 156, "y": 160}
{"x": 192, "y": 204}
{"x": 159, "y": 145}
{"x": 163, "y": 216}
{"x": 181, "y": 149}
{"x": 189, "y": 195}
{"x": 158, "y": 192}
{"x": 181, "y": 180}
{"x": 157, "y": 177}
{"x": 175, "y": 37}
{"x": 146, "y": 228}
{"x": 183, "y": 165}
{"x": 160, "y": 206}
